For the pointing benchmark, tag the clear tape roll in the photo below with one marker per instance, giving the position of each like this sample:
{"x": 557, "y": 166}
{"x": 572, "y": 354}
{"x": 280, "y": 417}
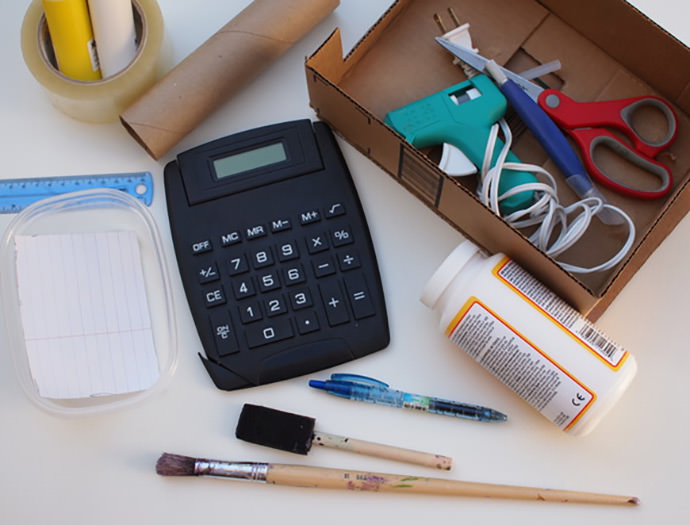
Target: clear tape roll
{"x": 102, "y": 100}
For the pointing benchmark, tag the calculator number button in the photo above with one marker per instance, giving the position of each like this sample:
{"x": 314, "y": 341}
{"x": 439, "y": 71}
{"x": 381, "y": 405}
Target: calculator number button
{"x": 294, "y": 275}
{"x": 300, "y": 299}
{"x": 265, "y": 333}
{"x": 262, "y": 258}
{"x": 275, "y": 306}
{"x": 250, "y": 312}
{"x": 287, "y": 252}
{"x": 268, "y": 282}
{"x": 243, "y": 288}
{"x": 238, "y": 265}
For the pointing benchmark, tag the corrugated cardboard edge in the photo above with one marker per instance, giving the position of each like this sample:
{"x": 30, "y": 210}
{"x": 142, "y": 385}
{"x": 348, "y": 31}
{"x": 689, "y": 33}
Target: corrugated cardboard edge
{"x": 326, "y": 68}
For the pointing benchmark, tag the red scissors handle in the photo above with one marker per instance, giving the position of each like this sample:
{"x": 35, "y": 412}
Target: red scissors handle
{"x": 586, "y": 123}
{"x": 617, "y": 114}
{"x": 588, "y": 139}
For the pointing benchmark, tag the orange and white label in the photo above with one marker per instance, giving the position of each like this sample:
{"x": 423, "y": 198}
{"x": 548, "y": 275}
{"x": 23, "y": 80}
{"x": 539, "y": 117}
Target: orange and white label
{"x": 561, "y": 313}
{"x": 518, "y": 363}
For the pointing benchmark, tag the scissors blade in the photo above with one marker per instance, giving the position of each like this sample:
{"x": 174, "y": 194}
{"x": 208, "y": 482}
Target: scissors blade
{"x": 478, "y": 62}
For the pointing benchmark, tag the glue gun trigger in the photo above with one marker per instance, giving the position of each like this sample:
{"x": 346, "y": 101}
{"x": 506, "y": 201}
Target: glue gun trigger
{"x": 455, "y": 163}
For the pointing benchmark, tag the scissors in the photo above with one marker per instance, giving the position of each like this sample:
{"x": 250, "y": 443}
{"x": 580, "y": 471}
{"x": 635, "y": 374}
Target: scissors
{"x": 586, "y": 123}
{"x": 545, "y": 110}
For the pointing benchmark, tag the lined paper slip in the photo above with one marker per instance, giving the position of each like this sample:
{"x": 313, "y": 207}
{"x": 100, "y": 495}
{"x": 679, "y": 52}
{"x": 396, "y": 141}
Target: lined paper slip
{"x": 85, "y": 314}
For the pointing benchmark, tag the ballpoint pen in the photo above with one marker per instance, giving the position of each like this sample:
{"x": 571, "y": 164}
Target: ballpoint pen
{"x": 362, "y": 388}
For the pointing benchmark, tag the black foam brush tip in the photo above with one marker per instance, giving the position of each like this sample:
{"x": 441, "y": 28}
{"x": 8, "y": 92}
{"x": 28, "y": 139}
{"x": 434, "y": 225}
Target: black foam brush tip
{"x": 275, "y": 429}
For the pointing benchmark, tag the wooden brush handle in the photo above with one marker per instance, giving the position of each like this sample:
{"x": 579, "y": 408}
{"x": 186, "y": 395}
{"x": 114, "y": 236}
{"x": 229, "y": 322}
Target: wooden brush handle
{"x": 382, "y": 451}
{"x": 304, "y": 476}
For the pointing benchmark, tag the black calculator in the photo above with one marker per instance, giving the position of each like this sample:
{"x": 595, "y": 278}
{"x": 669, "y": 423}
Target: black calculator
{"x": 275, "y": 254}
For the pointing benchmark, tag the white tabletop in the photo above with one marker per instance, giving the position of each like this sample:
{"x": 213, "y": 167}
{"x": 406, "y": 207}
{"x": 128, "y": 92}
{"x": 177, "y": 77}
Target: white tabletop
{"x": 100, "y": 469}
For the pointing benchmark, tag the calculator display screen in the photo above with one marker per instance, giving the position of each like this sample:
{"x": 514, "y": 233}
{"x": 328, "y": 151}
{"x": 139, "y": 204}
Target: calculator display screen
{"x": 249, "y": 160}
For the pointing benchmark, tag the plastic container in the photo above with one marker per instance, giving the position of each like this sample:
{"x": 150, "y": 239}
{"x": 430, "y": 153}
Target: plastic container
{"x": 529, "y": 338}
{"x": 98, "y": 210}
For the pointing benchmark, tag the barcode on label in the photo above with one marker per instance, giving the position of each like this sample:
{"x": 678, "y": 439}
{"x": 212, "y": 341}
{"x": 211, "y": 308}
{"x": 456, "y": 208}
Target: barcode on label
{"x": 602, "y": 344}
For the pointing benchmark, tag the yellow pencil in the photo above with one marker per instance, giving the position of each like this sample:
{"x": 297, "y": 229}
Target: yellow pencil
{"x": 72, "y": 38}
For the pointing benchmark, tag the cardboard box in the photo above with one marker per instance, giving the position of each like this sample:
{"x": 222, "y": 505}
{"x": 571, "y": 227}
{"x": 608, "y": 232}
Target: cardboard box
{"x": 608, "y": 50}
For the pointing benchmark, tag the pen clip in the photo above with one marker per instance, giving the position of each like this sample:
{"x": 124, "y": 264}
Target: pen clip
{"x": 356, "y": 378}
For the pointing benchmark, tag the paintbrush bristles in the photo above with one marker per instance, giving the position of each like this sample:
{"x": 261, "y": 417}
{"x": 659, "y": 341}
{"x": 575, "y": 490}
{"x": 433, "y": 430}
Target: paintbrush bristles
{"x": 175, "y": 465}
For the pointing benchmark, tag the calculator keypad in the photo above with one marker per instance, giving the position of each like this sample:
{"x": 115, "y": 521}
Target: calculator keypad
{"x": 275, "y": 292}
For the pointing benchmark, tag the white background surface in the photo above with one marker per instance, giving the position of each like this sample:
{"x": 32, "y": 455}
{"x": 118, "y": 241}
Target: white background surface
{"x": 101, "y": 469}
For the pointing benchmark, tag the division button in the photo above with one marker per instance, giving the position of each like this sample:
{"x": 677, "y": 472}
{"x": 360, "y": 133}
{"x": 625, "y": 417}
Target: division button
{"x": 348, "y": 261}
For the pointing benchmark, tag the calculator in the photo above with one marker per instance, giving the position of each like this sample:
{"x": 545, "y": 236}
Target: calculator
{"x": 275, "y": 254}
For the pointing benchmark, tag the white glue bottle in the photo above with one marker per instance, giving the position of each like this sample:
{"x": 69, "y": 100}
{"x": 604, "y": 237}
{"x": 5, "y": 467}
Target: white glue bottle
{"x": 529, "y": 338}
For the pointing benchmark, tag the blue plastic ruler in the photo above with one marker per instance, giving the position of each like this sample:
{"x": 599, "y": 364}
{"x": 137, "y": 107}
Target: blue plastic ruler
{"x": 17, "y": 194}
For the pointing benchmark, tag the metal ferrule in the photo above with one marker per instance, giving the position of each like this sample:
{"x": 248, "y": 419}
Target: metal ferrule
{"x": 224, "y": 469}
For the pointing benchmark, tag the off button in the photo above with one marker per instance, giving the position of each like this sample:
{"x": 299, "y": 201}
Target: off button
{"x": 201, "y": 247}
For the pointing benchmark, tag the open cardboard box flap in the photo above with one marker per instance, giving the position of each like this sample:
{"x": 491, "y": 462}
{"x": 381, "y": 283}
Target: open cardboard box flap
{"x": 607, "y": 49}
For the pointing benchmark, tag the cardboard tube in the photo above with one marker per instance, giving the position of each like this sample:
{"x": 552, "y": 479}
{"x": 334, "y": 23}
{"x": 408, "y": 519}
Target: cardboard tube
{"x": 218, "y": 69}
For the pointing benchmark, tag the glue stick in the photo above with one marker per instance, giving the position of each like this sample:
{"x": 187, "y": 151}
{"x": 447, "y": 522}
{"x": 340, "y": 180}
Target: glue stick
{"x": 530, "y": 339}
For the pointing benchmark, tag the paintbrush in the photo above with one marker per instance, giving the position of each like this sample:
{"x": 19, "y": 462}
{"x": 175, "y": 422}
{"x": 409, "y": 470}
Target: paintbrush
{"x": 304, "y": 476}
{"x": 295, "y": 433}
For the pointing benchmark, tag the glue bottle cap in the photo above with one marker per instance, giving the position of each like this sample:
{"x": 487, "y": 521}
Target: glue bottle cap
{"x": 448, "y": 270}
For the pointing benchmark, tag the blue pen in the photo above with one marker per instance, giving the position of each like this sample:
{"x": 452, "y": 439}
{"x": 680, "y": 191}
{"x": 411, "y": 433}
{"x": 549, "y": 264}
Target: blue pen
{"x": 362, "y": 388}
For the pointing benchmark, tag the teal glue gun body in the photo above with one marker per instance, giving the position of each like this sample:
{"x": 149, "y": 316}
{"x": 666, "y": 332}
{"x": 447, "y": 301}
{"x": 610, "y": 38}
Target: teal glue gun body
{"x": 462, "y": 116}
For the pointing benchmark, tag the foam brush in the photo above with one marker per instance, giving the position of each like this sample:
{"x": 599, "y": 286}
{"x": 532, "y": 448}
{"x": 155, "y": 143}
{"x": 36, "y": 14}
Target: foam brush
{"x": 295, "y": 433}
{"x": 319, "y": 477}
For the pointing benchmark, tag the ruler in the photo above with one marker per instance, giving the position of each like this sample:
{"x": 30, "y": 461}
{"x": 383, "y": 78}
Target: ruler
{"x": 17, "y": 194}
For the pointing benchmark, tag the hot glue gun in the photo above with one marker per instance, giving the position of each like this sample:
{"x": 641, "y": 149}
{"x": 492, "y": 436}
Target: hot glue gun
{"x": 460, "y": 118}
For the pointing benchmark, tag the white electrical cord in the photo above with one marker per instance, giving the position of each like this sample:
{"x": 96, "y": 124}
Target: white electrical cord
{"x": 546, "y": 211}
